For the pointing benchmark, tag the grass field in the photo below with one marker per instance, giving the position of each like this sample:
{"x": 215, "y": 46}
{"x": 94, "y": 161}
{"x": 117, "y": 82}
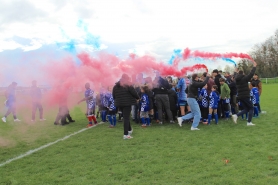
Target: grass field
{"x": 160, "y": 154}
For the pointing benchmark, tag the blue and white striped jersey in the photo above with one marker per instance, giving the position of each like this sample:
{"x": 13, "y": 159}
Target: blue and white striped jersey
{"x": 145, "y": 102}
{"x": 255, "y": 96}
{"x": 214, "y": 99}
{"x": 203, "y": 97}
{"x": 90, "y": 102}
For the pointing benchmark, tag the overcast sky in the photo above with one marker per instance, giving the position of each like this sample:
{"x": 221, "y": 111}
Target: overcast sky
{"x": 141, "y": 26}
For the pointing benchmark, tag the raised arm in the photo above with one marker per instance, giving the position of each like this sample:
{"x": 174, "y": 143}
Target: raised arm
{"x": 202, "y": 84}
{"x": 252, "y": 72}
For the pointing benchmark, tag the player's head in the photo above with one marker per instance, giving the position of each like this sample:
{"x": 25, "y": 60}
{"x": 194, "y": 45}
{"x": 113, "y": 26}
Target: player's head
{"x": 144, "y": 88}
{"x": 214, "y": 88}
{"x": 221, "y": 81}
{"x": 256, "y": 76}
{"x": 254, "y": 84}
{"x": 87, "y": 86}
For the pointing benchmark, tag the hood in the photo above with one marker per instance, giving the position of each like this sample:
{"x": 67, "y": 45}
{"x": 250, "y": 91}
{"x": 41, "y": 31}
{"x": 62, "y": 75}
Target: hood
{"x": 118, "y": 84}
{"x": 239, "y": 77}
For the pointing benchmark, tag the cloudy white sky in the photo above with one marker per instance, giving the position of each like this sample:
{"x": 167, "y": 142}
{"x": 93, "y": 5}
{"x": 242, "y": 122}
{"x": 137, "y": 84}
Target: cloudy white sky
{"x": 141, "y": 26}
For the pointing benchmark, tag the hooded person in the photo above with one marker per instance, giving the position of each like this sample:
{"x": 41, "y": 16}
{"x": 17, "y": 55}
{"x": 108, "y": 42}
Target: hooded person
{"x": 243, "y": 94}
{"x": 125, "y": 96}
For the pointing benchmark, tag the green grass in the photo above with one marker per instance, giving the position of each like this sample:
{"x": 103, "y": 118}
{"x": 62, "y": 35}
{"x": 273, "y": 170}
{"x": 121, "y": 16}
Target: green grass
{"x": 160, "y": 154}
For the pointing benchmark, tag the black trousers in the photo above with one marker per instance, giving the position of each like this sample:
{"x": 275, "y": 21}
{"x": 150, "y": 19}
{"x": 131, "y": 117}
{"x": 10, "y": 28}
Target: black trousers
{"x": 174, "y": 113}
{"x": 247, "y": 107}
{"x": 162, "y": 100}
{"x": 219, "y": 109}
{"x": 204, "y": 112}
{"x": 126, "y": 115}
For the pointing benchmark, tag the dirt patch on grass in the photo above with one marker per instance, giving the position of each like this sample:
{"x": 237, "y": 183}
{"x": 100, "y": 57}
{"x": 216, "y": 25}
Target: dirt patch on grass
{"x": 6, "y": 142}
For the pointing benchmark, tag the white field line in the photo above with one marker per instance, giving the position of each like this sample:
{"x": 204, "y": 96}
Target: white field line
{"x": 44, "y": 146}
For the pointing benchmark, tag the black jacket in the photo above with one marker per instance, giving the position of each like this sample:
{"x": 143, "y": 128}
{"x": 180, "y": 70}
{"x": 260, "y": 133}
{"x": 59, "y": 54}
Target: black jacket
{"x": 192, "y": 90}
{"x": 216, "y": 81}
{"x": 233, "y": 88}
{"x": 151, "y": 99}
{"x": 162, "y": 86}
{"x": 242, "y": 80}
{"x": 173, "y": 99}
{"x": 124, "y": 95}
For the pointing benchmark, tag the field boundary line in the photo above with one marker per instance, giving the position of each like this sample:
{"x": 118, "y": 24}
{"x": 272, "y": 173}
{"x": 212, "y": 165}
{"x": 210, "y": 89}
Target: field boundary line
{"x": 44, "y": 146}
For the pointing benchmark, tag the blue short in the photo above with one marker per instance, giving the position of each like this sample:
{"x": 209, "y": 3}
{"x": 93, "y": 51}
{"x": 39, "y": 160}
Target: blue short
{"x": 182, "y": 103}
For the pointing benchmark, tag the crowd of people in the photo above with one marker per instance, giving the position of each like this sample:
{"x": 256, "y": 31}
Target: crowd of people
{"x": 196, "y": 98}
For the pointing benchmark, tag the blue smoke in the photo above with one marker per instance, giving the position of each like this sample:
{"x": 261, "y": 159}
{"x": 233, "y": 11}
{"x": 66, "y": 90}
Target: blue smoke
{"x": 89, "y": 38}
{"x": 176, "y": 54}
{"x": 229, "y": 60}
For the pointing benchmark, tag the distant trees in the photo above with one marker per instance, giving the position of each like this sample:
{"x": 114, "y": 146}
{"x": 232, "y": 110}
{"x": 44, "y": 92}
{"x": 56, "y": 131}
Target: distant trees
{"x": 266, "y": 56}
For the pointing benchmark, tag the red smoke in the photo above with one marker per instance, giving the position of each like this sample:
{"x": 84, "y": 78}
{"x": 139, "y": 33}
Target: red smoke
{"x": 66, "y": 78}
{"x": 187, "y": 53}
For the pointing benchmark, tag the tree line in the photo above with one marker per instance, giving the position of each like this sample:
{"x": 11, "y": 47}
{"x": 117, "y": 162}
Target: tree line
{"x": 266, "y": 56}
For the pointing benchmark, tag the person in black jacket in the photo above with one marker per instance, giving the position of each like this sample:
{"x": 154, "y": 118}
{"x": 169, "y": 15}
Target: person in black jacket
{"x": 161, "y": 97}
{"x": 125, "y": 96}
{"x": 233, "y": 94}
{"x": 243, "y": 94}
{"x": 173, "y": 99}
{"x": 192, "y": 96}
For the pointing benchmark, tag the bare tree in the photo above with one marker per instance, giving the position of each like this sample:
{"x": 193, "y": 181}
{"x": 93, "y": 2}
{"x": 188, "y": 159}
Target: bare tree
{"x": 266, "y": 56}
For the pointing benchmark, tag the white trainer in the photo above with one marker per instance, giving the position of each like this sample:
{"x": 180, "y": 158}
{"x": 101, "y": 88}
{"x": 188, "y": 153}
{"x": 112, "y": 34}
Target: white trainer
{"x": 4, "y": 119}
{"x": 42, "y": 119}
{"x": 250, "y": 124}
{"x": 130, "y": 132}
{"x": 180, "y": 121}
{"x": 234, "y": 118}
{"x": 17, "y": 120}
{"x": 127, "y": 137}
{"x": 192, "y": 128}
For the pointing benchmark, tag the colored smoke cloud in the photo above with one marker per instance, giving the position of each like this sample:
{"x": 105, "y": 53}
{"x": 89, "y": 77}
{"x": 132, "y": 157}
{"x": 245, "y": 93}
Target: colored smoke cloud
{"x": 209, "y": 55}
